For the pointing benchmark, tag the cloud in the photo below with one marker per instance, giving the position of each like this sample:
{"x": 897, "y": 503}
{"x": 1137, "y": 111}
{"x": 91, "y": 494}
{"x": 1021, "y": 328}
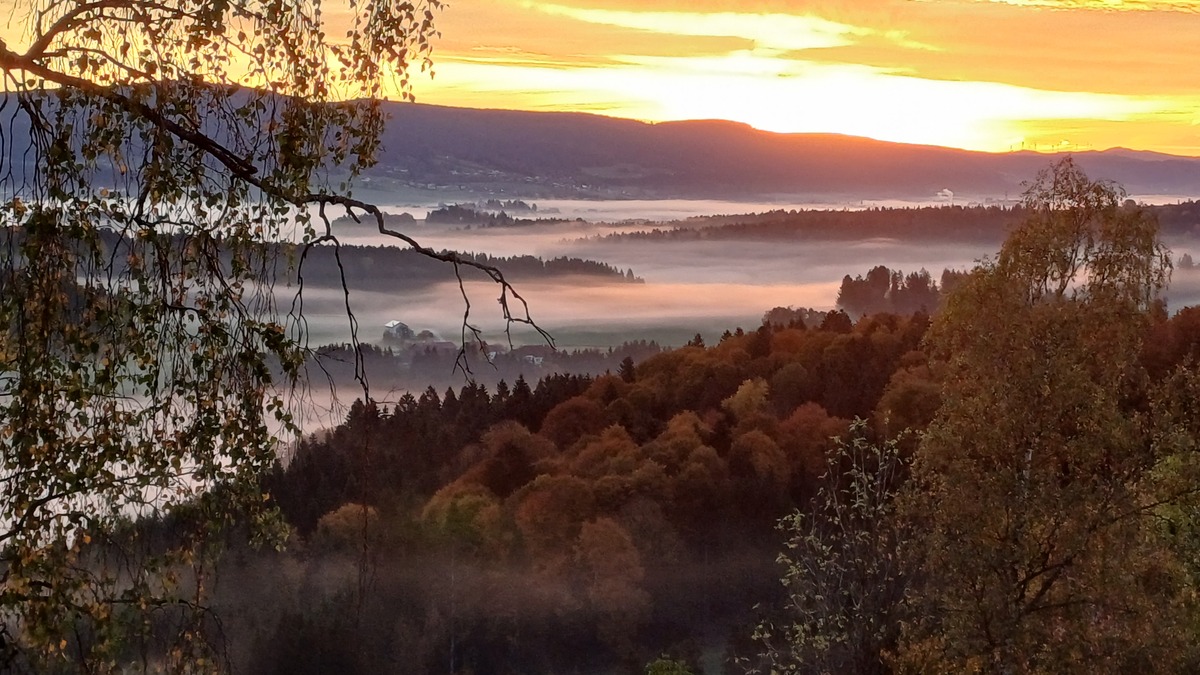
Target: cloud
{"x": 517, "y": 57}
{"x": 787, "y": 95}
{"x": 767, "y": 31}
{"x": 1191, "y": 6}
{"x": 898, "y": 70}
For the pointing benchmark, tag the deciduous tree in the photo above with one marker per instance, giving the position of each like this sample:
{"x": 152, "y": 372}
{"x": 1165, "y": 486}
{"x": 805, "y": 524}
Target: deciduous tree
{"x": 845, "y": 585}
{"x": 1036, "y": 551}
{"x": 161, "y": 164}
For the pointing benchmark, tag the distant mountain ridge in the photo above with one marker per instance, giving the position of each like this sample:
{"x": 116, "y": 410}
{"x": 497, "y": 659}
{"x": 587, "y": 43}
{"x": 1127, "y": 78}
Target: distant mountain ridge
{"x": 555, "y": 154}
{"x": 507, "y": 153}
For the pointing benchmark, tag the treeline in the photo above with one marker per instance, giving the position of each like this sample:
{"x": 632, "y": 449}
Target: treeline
{"x": 457, "y": 214}
{"x": 390, "y": 268}
{"x": 514, "y": 205}
{"x": 1177, "y": 219}
{"x": 420, "y": 365}
{"x": 968, "y": 224}
{"x": 531, "y": 362}
{"x": 381, "y": 268}
{"x": 974, "y": 224}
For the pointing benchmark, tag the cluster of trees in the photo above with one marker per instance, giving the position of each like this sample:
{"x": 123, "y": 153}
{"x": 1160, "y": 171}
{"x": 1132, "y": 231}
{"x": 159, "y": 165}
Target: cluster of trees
{"x": 791, "y": 317}
{"x": 458, "y": 214}
{"x": 1181, "y": 219}
{"x": 886, "y": 291}
{"x": 1046, "y": 519}
{"x": 404, "y": 220}
{"x": 614, "y": 517}
{"x": 531, "y": 362}
{"x": 513, "y": 205}
{"x": 389, "y": 268}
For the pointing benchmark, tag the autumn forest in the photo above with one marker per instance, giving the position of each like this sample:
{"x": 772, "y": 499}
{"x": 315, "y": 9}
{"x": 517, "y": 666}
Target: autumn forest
{"x": 1000, "y": 479}
{"x": 789, "y": 368}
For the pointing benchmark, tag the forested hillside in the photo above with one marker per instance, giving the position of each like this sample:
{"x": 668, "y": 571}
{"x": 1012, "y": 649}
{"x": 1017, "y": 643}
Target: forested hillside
{"x": 943, "y": 481}
{"x": 617, "y": 517}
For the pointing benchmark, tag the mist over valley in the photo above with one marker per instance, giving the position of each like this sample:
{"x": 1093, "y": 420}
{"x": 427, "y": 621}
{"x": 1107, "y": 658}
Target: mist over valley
{"x": 706, "y": 273}
{"x": 693, "y": 338}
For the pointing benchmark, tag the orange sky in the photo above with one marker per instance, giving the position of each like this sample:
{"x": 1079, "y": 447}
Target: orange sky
{"x": 980, "y": 74}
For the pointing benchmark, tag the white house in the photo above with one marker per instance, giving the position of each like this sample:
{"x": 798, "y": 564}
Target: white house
{"x": 395, "y": 330}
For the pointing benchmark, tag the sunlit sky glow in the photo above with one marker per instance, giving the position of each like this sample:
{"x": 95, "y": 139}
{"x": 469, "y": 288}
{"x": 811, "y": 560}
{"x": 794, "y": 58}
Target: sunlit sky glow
{"x": 992, "y": 75}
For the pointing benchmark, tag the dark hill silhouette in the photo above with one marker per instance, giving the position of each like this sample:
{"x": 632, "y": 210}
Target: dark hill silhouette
{"x": 556, "y": 154}
{"x": 575, "y": 154}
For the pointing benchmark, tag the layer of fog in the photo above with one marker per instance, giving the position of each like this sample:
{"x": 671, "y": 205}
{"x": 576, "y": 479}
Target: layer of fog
{"x": 691, "y": 286}
{"x": 617, "y": 210}
{"x": 618, "y": 311}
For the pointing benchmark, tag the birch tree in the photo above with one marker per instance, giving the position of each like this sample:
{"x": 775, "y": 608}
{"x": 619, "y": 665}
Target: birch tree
{"x": 162, "y": 163}
{"x": 1037, "y": 549}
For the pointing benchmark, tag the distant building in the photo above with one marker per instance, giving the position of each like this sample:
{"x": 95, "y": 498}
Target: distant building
{"x": 493, "y": 351}
{"x": 395, "y": 330}
{"x": 534, "y": 355}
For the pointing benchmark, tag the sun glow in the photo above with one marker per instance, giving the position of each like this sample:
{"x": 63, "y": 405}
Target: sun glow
{"x": 991, "y": 75}
{"x": 784, "y": 95}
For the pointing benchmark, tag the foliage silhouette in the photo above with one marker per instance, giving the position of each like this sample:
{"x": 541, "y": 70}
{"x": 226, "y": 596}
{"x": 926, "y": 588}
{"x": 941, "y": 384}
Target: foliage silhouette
{"x": 150, "y": 152}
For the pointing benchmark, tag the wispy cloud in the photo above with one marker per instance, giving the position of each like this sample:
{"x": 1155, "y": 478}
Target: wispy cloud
{"x": 770, "y": 31}
{"x": 981, "y": 74}
{"x": 515, "y": 56}
{"x": 1191, "y": 6}
{"x": 782, "y": 94}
